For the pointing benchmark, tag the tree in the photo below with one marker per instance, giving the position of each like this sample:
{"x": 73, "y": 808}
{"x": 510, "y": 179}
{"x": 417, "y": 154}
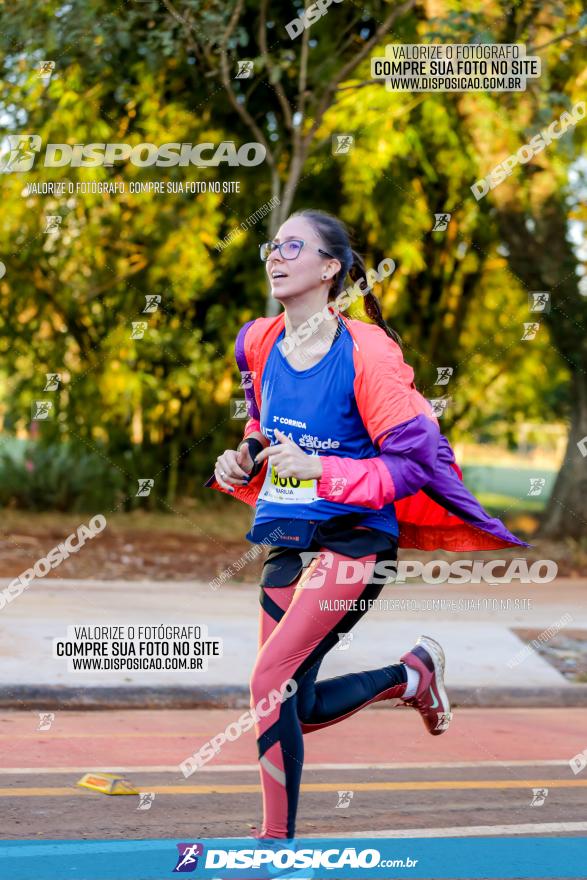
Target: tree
{"x": 288, "y": 116}
{"x": 533, "y": 210}
{"x": 165, "y": 72}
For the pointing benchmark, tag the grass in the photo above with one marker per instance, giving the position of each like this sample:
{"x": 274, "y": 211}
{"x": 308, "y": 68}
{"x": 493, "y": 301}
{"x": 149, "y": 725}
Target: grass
{"x": 218, "y": 518}
{"x": 500, "y": 504}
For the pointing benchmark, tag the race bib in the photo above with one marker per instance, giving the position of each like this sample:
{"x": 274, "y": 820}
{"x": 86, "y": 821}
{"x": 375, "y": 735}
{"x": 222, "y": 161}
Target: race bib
{"x": 287, "y": 490}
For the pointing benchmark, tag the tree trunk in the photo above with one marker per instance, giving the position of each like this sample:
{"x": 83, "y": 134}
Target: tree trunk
{"x": 543, "y": 259}
{"x": 282, "y": 210}
{"x": 272, "y": 307}
{"x": 173, "y": 470}
{"x": 566, "y": 514}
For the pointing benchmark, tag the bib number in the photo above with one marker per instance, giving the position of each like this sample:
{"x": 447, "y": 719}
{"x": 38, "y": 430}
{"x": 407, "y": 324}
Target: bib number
{"x": 287, "y": 490}
{"x": 288, "y": 482}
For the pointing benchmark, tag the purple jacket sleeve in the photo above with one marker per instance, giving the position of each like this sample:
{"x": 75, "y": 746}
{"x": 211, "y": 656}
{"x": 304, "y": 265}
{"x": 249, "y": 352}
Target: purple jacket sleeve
{"x": 406, "y": 463}
{"x": 247, "y": 381}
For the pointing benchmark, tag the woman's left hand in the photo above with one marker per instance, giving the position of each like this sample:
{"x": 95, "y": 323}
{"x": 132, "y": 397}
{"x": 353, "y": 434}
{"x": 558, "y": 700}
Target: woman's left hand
{"x": 289, "y": 460}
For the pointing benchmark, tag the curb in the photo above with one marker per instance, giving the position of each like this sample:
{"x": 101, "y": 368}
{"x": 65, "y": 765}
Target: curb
{"x": 49, "y": 697}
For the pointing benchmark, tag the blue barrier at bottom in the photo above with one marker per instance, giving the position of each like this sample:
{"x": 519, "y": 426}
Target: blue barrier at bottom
{"x": 495, "y": 858}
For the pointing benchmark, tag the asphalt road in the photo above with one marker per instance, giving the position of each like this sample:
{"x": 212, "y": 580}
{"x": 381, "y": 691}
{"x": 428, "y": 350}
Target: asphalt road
{"x": 477, "y": 779}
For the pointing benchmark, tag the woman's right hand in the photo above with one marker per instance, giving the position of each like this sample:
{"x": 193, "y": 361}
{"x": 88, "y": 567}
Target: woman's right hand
{"x": 233, "y": 467}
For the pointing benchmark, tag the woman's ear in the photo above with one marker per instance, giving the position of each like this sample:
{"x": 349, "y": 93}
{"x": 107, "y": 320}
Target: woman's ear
{"x": 333, "y": 268}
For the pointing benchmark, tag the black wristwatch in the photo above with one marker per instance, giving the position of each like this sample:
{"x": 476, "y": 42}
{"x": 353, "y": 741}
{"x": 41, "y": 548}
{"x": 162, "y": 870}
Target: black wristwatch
{"x": 255, "y": 447}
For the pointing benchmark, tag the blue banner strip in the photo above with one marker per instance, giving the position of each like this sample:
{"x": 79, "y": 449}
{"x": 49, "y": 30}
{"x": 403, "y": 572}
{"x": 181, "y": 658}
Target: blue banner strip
{"x": 495, "y": 858}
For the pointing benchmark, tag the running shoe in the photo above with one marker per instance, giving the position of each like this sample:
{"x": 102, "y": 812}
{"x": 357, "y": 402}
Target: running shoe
{"x": 431, "y": 700}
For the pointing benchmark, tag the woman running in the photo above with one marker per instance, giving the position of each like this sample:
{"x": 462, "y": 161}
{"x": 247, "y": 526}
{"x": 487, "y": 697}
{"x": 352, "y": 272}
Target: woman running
{"x": 343, "y": 460}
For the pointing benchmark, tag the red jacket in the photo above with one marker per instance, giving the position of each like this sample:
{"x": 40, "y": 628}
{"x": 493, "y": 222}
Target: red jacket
{"x": 415, "y": 469}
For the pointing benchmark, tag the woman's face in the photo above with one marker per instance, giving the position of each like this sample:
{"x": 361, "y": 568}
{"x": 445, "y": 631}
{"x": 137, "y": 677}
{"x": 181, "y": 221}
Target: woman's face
{"x": 293, "y": 277}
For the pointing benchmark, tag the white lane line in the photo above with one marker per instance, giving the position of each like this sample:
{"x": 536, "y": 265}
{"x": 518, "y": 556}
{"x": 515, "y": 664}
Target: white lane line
{"x": 472, "y": 830}
{"x": 254, "y": 768}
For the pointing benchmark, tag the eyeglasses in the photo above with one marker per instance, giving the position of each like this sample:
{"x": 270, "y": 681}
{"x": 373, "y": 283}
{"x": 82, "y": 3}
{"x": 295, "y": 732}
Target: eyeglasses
{"x": 289, "y": 250}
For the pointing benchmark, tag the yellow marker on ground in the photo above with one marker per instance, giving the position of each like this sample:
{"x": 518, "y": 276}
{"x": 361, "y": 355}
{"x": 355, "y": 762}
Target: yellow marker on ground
{"x": 107, "y": 783}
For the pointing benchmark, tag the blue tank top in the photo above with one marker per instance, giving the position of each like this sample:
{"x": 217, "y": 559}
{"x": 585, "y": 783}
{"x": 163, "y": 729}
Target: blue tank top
{"x": 317, "y": 409}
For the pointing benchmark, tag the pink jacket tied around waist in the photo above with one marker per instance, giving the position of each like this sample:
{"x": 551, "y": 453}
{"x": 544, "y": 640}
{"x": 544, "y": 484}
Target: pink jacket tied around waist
{"x": 416, "y": 467}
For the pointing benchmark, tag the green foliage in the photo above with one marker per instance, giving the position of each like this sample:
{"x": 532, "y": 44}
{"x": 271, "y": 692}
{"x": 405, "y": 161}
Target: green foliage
{"x": 161, "y": 403}
{"x": 58, "y": 477}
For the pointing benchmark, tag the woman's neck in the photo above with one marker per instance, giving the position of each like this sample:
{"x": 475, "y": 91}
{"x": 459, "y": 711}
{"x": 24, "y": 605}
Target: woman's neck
{"x": 299, "y": 313}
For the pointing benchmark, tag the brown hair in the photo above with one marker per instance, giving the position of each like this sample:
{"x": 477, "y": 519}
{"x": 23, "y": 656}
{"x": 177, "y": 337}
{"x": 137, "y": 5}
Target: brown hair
{"x": 335, "y": 236}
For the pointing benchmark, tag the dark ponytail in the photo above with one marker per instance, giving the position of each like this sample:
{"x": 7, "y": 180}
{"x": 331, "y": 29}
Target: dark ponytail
{"x": 336, "y": 240}
{"x": 357, "y": 271}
